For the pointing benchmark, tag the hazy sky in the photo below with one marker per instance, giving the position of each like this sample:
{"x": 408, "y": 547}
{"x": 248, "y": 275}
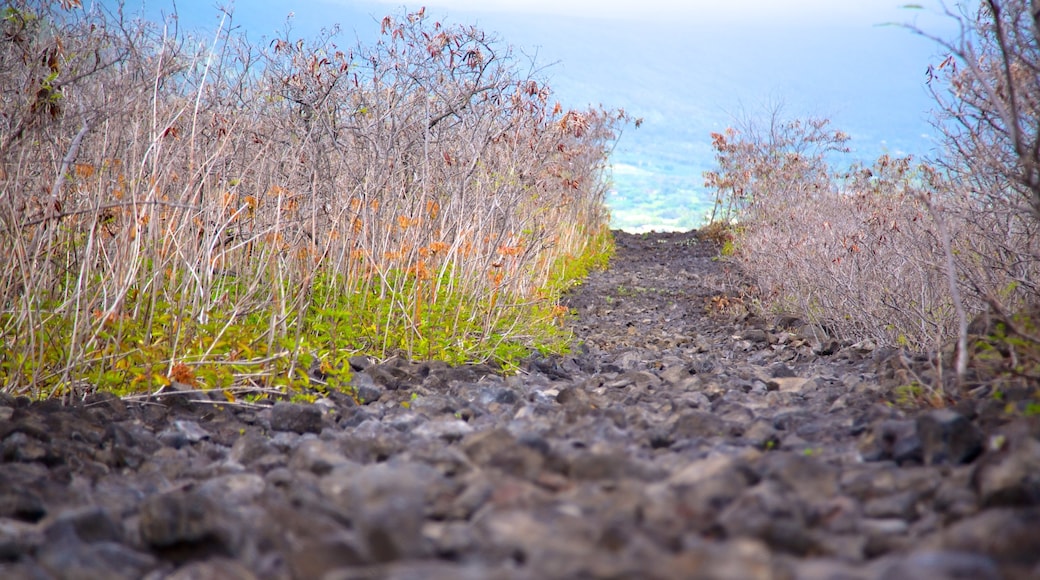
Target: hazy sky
{"x": 775, "y": 11}
{"x": 690, "y": 65}
{"x": 678, "y": 63}
{"x": 710, "y": 60}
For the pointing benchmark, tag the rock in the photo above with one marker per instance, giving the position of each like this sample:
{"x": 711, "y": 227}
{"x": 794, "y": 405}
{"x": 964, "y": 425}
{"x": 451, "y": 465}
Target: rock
{"x": 948, "y": 438}
{"x": 955, "y": 498}
{"x": 20, "y": 446}
{"x": 702, "y": 490}
{"x": 319, "y": 457}
{"x": 106, "y": 408}
{"x": 319, "y": 556}
{"x": 365, "y": 388}
{"x": 1011, "y": 475}
{"x": 942, "y": 565}
{"x": 488, "y": 396}
{"x": 735, "y": 469}
{"x": 359, "y": 363}
{"x": 598, "y": 466}
{"x": 901, "y": 505}
{"x": 23, "y": 570}
{"x": 88, "y": 524}
{"x": 425, "y": 570}
{"x": 212, "y": 569}
{"x": 639, "y": 380}
{"x": 249, "y": 448}
{"x": 739, "y": 559}
{"x": 825, "y": 569}
{"x": 791, "y": 420}
{"x": 500, "y": 450}
{"x": 1006, "y": 535}
{"x": 175, "y": 438}
{"x": 191, "y": 430}
{"x": 884, "y": 527}
{"x": 761, "y": 434}
{"x": 234, "y": 489}
{"x": 737, "y": 416}
{"x": 387, "y": 504}
{"x": 392, "y": 375}
{"x": 21, "y": 504}
{"x": 756, "y": 335}
{"x": 677, "y": 374}
{"x": 185, "y": 525}
{"x": 298, "y": 418}
{"x": 767, "y": 513}
{"x": 574, "y": 397}
{"x": 703, "y": 424}
{"x": 96, "y": 561}
{"x": 404, "y": 421}
{"x": 805, "y": 476}
{"x": 893, "y": 440}
{"x": 447, "y": 430}
{"x": 552, "y": 544}
{"x": 827, "y": 347}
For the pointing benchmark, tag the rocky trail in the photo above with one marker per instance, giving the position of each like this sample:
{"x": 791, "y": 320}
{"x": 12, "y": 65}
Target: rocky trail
{"x": 682, "y": 440}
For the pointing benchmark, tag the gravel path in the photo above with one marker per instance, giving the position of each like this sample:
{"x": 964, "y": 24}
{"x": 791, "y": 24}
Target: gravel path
{"x": 684, "y": 439}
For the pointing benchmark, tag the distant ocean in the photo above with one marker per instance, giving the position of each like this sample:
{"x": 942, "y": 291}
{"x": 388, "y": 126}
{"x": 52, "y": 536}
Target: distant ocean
{"x": 650, "y": 194}
{"x": 658, "y": 181}
{"x": 687, "y": 80}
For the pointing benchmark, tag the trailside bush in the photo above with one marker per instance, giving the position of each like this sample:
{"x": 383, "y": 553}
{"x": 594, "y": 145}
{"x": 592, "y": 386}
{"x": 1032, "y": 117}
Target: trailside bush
{"x": 900, "y": 252}
{"x": 903, "y": 253}
{"x": 240, "y": 213}
{"x": 855, "y": 252}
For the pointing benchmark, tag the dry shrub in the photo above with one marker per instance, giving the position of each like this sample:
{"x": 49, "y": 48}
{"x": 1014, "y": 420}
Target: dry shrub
{"x": 908, "y": 254}
{"x": 988, "y": 96}
{"x": 719, "y": 233}
{"x": 860, "y": 253}
{"x": 169, "y": 198}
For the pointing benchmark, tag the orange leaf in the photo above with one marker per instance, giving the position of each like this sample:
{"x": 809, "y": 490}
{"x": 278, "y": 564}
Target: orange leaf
{"x": 182, "y": 373}
{"x": 84, "y": 170}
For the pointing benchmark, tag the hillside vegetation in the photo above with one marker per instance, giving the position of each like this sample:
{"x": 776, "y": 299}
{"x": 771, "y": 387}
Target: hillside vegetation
{"x": 941, "y": 255}
{"x": 231, "y": 215}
